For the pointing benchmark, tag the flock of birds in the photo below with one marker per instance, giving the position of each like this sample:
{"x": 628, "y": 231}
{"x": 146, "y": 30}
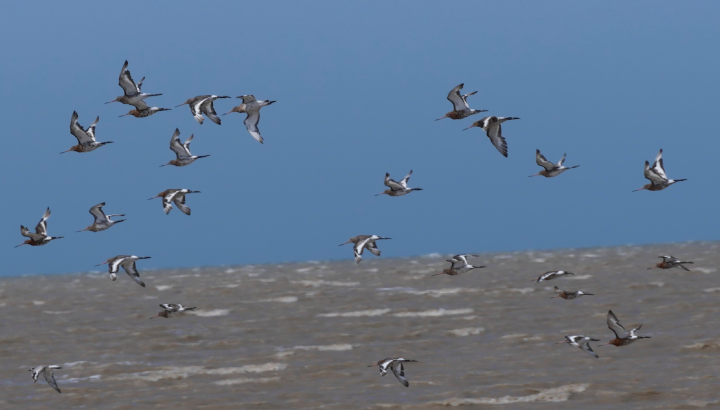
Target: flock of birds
{"x": 203, "y": 106}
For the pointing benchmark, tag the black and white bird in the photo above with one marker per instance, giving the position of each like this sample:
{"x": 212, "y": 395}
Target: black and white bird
{"x": 203, "y": 104}
{"x": 102, "y": 221}
{"x": 463, "y": 263}
{"x": 396, "y": 366}
{"x": 551, "y": 170}
{"x": 251, "y": 107}
{"x": 582, "y": 342}
{"x": 362, "y": 242}
{"x": 40, "y": 237}
{"x": 47, "y": 372}
{"x": 177, "y": 196}
{"x": 182, "y": 151}
{"x": 569, "y": 294}
{"x": 553, "y": 274}
{"x": 132, "y": 94}
{"x": 622, "y": 336}
{"x": 461, "y": 109}
{"x": 669, "y": 262}
{"x": 492, "y": 128}
{"x": 656, "y": 175}
{"x": 85, "y": 137}
{"x": 128, "y": 264}
{"x": 397, "y": 188}
{"x": 170, "y": 309}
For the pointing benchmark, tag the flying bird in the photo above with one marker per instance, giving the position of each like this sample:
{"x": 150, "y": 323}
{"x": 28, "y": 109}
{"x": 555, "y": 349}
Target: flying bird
{"x": 492, "y": 127}
{"x": 670, "y": 262}
{"x": 128, "y": 264}
{"x": 85, "y": 137}
{"x": 170, "y": 309}
{"x": 102, "y": 221}
{"x": 143, "y": 110}
{"x": 656, "y": 175}
{"x": 132, "y": 94}
{"x": 174, "y": 195}
{"x": 251, "y": 107}
{"x": 622, "y": 336}
{"x": 396, "y": 366}
{"x": 461, "y": 109}
{"x": 553, "y": 274}
{"x": 40, "y": 237}
{"x": 182, "y": 151}
{"x": 398, "y": 188}
{"x": 203, "y": 104}
{"x": 47, "y": 372}
{"x": 551, "y": 170}
{"x": 569, "y": 294}
{"x": 362, "y": 242}
{"x": 582, "y": 342}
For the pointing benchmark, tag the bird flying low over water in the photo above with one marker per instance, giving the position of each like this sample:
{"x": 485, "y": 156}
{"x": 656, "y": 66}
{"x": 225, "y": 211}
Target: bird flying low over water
{"x": 398, "y": 188}
{"x": 582, "y": 342}
{"x": 463, "y": 267}
{"x": 670, "y": 262}
{"x": 47, "y": 372}
{"x": 85, "y": 137}
{"x": 656, "y": 175}
{"x": 174, "y": 195}
{"x": 492, "y": 128}
{"x": 569, "y": 294}
{"x": 362, "y": 242}
{"x": 461, "y": 109}
{"x": 128, "y": 264}
{"x": 182, "y": 151}
{"x": 170, "y": 309}
{"x": 203, "y": 104}
{"x": 396, "y": 366}
{"x": 251, "y": 107}
{"x": 132, "y": 95}
{"x": 102, "y": 221}
{"x": 551, "y": 170}
{"x": 552, "y": 275}
{"x": 40, "y": 237}
{"x": 622, "y": 336}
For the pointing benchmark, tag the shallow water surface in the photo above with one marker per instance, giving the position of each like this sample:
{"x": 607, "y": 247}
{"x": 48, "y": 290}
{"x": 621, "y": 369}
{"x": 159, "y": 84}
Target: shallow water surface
{"x": 301, "y": 335}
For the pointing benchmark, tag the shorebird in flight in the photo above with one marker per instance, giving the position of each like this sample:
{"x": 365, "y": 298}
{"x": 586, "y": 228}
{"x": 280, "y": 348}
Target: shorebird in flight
{"x": 582, "y": 342}
{"x": 362, "y": 242}
{"x": 461, "y": 109}
{"x": 622, "y": 336}
{"x": 170, "y": 309}
{"x": 251, "y": 107}
{"x": 47, "y": 372}
{"x": 456, "y": 270}
{"x": 492, "y": 128}
{"x": 128, "y": 264}
{"x": 396, "y": 366}
{"x": 203, "y": 104}
{"x": 40, "y": 237}
{"x": 102, "y": 221}
{"x": 553, "y": 274}
{"x": 670, "y": 262}
{"x": 182, "y": 151}
{"x": 174, "y": 195}
{"x": 569, "y": 294}
{"x": 85, "y": 137}
{"x": 398, "y": 188}
{"x": 656, "y": 175}
{"x": 131, "y": 91}
{"x": 551, "y": 170}
{"x": 143, "y": 110}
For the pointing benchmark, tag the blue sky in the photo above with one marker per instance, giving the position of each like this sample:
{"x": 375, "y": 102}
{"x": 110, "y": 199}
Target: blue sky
{"x": 357, "y": 86}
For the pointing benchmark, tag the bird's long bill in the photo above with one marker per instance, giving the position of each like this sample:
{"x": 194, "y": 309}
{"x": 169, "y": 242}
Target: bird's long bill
{"x": 21, "y": 244}
{"x": 345, "y": 243}
{"x": 176, "y": 107}
{"x": 124, "y": 115}
{"x": 227, "y": 113}
{"x": 468, "y": 127}
{"x": 558, "y": 343}
{"x": 533, "y": 175}
{"x": 158, "y": 315}
{"x": 66, "y": 151}
{"x": 82, "y": 230}
{"x": 445, "y": 116}
{"x": 111, "y": 101}
{"x": 635, "y": 190}
{"x": 381, "y": 193}
{"x": 156, "y": 196}
{"x": 101, "y": 263}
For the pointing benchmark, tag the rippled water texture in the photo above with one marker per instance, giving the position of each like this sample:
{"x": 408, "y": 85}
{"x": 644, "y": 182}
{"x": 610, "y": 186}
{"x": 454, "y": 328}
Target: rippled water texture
{"x": 299, "y": 336}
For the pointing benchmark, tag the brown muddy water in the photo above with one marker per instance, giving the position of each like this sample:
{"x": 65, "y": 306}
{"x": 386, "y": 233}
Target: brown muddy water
{"x": 299, "y": 336}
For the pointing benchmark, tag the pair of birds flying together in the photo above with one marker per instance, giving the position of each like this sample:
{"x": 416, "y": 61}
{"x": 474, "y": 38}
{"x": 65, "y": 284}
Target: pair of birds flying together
{"x": 170, "y": 309}
{"x": 622, "y": 337}
{"x": 397, "y": 188}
